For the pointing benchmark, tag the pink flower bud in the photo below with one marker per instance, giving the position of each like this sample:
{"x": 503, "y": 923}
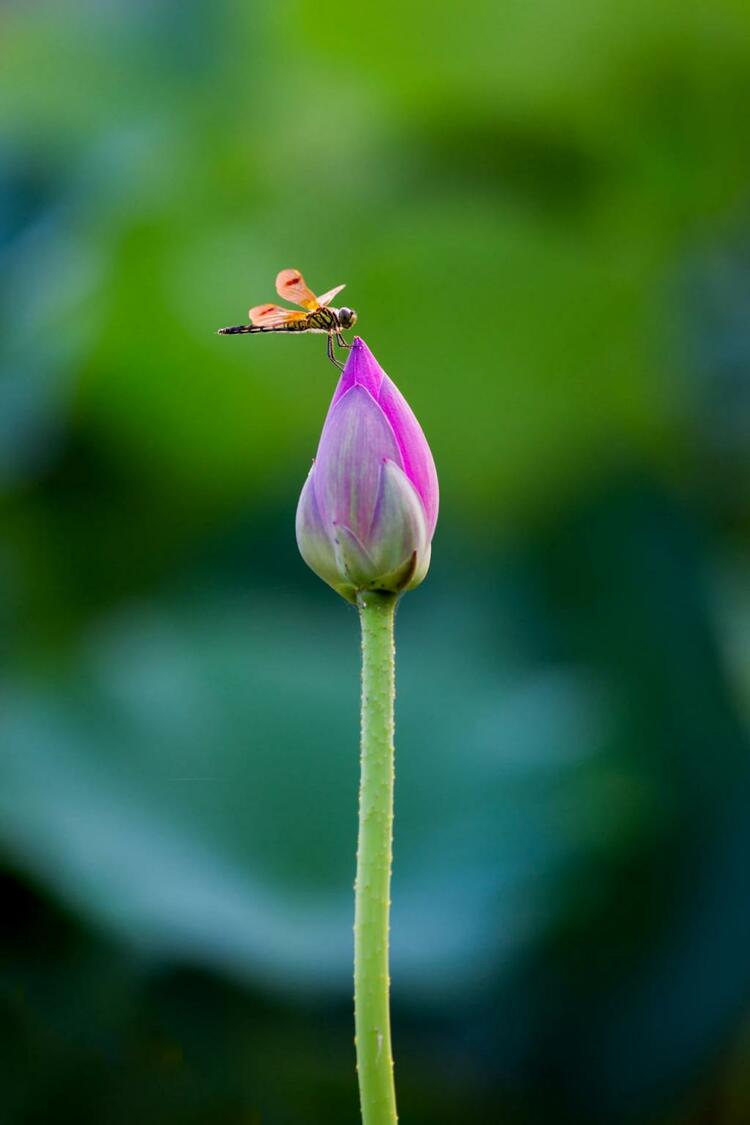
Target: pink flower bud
{"x": 368, "y": 510}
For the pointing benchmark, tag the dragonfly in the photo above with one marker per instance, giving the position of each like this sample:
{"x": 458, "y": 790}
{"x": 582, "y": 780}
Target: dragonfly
{"x": 318, "y": 316}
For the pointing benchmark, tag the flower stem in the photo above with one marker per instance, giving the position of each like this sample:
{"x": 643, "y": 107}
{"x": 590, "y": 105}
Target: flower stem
{"x": 372, "y": 889}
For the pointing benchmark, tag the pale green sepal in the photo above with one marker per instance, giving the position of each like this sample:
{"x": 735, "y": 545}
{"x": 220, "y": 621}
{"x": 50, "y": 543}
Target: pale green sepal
{"x": 399, "y": 527}
{"x": 399, "y": 579}
{"x": 420, "y": 569}
{"x": 355, "y": 565}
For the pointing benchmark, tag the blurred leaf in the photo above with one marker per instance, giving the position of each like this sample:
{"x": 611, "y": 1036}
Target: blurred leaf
{"x": 189, "y": 785}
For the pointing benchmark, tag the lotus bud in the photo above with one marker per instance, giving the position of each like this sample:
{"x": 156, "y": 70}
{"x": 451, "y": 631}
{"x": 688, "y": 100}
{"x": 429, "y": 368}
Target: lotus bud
{"x": 367, "y": 512}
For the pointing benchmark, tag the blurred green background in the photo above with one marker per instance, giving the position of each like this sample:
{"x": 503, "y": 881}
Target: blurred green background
{"x": 542, "y": 213}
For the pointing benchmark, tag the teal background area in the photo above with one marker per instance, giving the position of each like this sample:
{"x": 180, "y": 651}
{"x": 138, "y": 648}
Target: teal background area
{"x": 542, "y": 214}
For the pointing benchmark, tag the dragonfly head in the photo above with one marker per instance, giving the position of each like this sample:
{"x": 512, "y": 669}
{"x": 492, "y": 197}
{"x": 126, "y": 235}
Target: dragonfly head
{"x": 347, "y": 318}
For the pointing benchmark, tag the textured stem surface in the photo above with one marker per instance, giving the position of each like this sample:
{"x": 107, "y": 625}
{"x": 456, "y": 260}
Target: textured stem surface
{"x": 372, "y": 890}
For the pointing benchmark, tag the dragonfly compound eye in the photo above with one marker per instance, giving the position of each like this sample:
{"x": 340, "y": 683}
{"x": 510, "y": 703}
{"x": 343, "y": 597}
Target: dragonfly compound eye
{"x": 347, "y": 317}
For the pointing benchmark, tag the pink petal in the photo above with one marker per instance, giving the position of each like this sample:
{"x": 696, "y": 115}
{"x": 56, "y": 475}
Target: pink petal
{"x": 356, "y": 439}
{"x": 416, "y": 455}
{"x": 361, "y": 370}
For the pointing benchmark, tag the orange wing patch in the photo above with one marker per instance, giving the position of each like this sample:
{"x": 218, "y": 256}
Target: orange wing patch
{"x": 290, "y": 284}
{"x": 271, "y": 316}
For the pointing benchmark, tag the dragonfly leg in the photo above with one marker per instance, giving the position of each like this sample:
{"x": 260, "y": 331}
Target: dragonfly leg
{"x": 341, "y": 341}
{"x": 331, "y": 356}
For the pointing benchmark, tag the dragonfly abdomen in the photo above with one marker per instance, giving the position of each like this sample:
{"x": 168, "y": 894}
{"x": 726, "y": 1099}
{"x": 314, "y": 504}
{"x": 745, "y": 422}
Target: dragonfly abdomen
{"x": 239, "y": 329}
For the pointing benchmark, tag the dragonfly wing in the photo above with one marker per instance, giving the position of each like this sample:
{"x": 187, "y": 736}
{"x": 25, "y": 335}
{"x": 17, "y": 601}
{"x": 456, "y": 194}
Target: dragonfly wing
{"x": 328, "y": 297}
{"x": 271, "y": 316}
{"x": 290, "y": 284}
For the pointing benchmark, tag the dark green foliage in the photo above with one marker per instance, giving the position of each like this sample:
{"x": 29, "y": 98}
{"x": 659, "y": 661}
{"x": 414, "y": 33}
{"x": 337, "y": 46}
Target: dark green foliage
{"x": 541, "y": 215}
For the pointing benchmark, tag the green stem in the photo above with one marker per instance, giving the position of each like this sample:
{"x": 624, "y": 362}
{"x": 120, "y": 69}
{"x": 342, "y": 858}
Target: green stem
{"x": 372, "y": 889}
